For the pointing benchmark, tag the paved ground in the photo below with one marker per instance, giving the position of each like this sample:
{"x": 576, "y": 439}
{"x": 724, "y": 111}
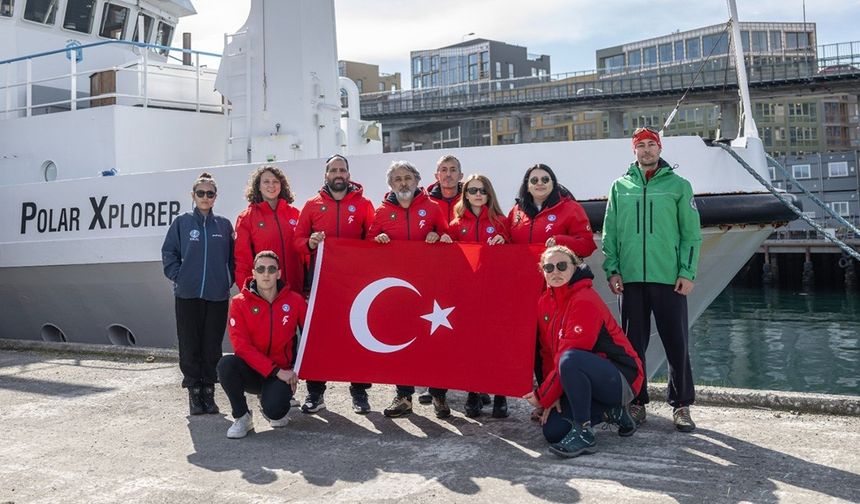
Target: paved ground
{"x": 86, "y": 429}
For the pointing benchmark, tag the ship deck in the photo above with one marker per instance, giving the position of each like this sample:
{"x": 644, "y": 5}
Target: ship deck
{"x": 85, "y": 428}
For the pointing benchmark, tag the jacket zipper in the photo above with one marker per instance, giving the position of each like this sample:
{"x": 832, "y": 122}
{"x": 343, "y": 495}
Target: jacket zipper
{"x": 651, "y": 207}
{"x": 531, "y": 229}
{"x": 281, "y": 236}
{"x": 337, "y": 225}
{"x": 644, "y": 235}
{"x": 408, "y": 226}
{"x": 271, "y": 328}
{"x": 205, "y": 256}
{"x": 477, "y": 230}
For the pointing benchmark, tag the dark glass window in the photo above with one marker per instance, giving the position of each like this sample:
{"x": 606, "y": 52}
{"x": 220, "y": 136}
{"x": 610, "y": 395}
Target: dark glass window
{"x": 164, "y": 36}
{"x": 775, "y": 40}
{"x": 665, "y": 53}
{"x": 79, "y": 15}
{"x": 41, "y": 11}
{"x": 114, "y": 18}
{"x": 718, "y": 42}
{"x": 693, "y": 48}
{"x": 6, "y": 7}
{"x": 147, "y": 29}
{"x": 649, "y": 56}
{"x": 759, "y": 41}
{"x": 679, "y": 50}
{"x": 634, "y": 59}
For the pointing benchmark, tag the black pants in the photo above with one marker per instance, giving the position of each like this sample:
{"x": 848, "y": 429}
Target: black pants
{"x": 318, "y": 387}
{"x": 237, "y": 378}
{"x": 670, "y": 314}
{"x": 408, "y": 390}
{"x": 200, "y": 328}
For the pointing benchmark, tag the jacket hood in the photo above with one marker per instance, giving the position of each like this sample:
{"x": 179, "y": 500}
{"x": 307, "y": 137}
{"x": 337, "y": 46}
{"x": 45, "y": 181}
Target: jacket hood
{"x": 434, "y": 190}
{"x": 250, "y": 288}
{"x": 635, "y": 172}
{"x": 391, "y": 198}
{"x": 555, "y": 197}
{"x": 581, "y": 279}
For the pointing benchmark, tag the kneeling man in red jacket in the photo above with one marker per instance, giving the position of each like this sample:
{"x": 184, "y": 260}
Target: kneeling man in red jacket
{"x": 262, "y": 325}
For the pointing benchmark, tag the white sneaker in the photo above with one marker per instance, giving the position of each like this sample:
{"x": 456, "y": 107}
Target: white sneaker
{"x": 241, "y": 426}
{"x": 282, "y": 422}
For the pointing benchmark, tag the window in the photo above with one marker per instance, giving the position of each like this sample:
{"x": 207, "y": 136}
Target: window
{"x": 801, "y": 171}
{"x": 775, "y": 40}
{"x": 380, "y": 86}
{"x": 796, "y": 40}
{"x": 41, "y": 11}
{"x": 164, "y": 36}
{"x": 634, "y": 59}
{"x": 694, "y": 49}
{"x": 416, "y": 83}
{"x": 759, "y": 41}
{"x": 113, "y": 21}
{"x": 434, "y": 63}
{"x": 665, "y": 53}
{"x": 416, "y": 65}
{"x": 649, "y": 56}
{"x": 772, "y": 172}
{"x": 79, "y": 15}
{"x": 6, "y": 7}
{"x": 613, "y": 64}
{"x": 510, "y": 70}
{"x": 837, "y": 169}
{"x": 679, "y": 50}
{"x": 360, "y": 85}
{"x": 745, "y": 40}
{"x": 716, "y": 42}
{"x": 485, "y": 65}
{"x": 498, "y": 69}
{"x": 840, "y": 208}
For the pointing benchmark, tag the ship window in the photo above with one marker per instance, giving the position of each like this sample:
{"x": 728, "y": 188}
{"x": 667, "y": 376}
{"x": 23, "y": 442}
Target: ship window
{"x": 79, "y": 15}
{"x": 41, "y": 11}
{"x": 164, "y": 36}
{"x": 113, "y": 21}
{"x": 147, "y": 29}
{"x": 6, "y": 7}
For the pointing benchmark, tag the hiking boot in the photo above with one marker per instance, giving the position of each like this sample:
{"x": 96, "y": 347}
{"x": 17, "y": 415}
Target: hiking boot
{"x": 401, "y": 405}
{"x": 440, "y": 406}
{"x": 313, "y": 403}
{"x": 485, "y": 399}
{"x": 500, "y": 407}
{"x": 208, "y": 400}
{"x": 579, "y": 441}
{"x": 637, "y": 411}
{"x": 360, "y": 404}
{"x": 425, "y": 397}
{"x": 473, "y": 405}
{"x": 195, "y": 401}
{"x": 277, "y": 424}
{"x": 241, "y": 426}
{"x": 682, "y": 420}
{"x": 620, "y": 416}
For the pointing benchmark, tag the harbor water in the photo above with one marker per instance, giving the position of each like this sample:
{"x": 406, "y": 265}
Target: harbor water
{"x": 779, "y": 339}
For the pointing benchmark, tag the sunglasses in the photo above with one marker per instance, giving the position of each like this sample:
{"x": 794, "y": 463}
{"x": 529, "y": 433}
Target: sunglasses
{"x": 646, "y": 128}
{"x": 550, "y": 267}
{"x": 201, "y": 193}
{"x": 270, "y": 269}
{"x": 475, "y": 190}
{"x": 543, "y": 180}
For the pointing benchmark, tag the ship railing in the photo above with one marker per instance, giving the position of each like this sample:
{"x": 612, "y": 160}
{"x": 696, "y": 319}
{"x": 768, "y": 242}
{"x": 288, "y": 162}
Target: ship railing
{"x": 146, "y": 80}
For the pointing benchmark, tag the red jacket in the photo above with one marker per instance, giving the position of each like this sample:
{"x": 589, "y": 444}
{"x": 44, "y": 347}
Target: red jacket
{"x": 262, "y": 334}
{"x": 574, "y": 317}
{"x": 413, "y": 223}
{"x": 445, "y": 204}
{"x": 349, "y": 217}
{"x": 260, "y": 228}
{"x": 471, "y": 229}
{"x": 566, "y": 221}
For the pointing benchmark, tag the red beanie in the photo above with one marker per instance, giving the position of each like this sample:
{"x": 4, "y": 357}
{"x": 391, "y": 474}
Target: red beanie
{"x": 646, "y": 134}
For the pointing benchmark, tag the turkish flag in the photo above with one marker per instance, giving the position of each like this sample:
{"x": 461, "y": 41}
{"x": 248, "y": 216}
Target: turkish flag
{"x": 456, "y": 316}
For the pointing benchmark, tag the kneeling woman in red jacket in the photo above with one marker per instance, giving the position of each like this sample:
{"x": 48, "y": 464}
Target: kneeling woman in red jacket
{"x": 590, "y": 370}
{"x": 262, "y": 325}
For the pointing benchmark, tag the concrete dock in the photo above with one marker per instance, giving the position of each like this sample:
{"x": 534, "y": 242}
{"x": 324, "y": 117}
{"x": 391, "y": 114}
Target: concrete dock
{"x": 84, "y": 428}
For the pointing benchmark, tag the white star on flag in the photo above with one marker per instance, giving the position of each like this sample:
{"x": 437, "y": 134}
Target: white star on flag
{"x": 439, "y": 317}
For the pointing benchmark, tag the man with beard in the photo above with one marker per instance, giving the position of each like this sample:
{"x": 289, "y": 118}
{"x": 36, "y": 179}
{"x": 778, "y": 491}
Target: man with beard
{"x": 407, "y": 213}
{"x": 651, "y": 240}
{"x": 340, "y": 210}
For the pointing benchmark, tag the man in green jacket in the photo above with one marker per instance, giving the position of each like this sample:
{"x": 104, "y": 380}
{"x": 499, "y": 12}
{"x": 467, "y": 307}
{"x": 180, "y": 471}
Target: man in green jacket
{"x": 651, "y": 240}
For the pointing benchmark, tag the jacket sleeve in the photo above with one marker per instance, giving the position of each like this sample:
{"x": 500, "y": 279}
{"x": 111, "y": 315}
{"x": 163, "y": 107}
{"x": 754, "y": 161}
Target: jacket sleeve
{"x": 376, "y": 224}
{"x": 171, "y": 251}
{"x": 243, "y": 345}
{"x": 579, "y": 236}
{"x": 504, "y": 229}
{"x": 441, "y": 224}
{"x": 231, "y": 258}
{"x": 301, "y": 314}
{"x": 303, "y": 231}
{"x": 610, "y": 244}
{"x": 452, "y": 228}
{"x": 243, "y": 251}
{"x": 369, "y": 214}
{"x": 690, "y": 228}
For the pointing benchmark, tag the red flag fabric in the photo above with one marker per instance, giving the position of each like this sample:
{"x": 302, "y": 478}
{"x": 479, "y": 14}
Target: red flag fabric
{"x": 457, "y": 316}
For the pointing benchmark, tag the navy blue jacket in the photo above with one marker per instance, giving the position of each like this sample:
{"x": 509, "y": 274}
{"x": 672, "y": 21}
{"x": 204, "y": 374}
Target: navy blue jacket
{"x": 197, "y": 255}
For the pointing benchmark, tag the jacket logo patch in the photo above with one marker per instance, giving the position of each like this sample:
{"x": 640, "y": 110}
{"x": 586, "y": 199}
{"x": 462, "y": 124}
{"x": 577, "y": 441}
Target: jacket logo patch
{"x": 293, "y": 222}
{"x": 546, "y": 317}
{"x": 693, "y": 203}
{"x": 491, "y": 229}
{"x": 350, "y": 208}
{"x": 194, "y": 235}
{"x": 350, "y": 219}
{"x": 255, "y": 310}
{"x": 232, "y": 322}
{"x": 393, "y": 215}
{"x": 588, "y": 227}
{"x": 421, "y": 224}
{"x": 548, "y": 228}
{"x": 323, "y": 208}
{"x": 577, "y": 329}
{"x": 464, "y": 230}
{"x": 285, "y": 320}
{"x": 285, "y": 307}
{"x": 560, "y": 333}
{"x": 261, "y": 224}
{"x": 551, "y": 217}
{"x": 422, "y": 213}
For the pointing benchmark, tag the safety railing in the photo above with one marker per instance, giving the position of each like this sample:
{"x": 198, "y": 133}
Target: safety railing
{"x": 145, "y": 78}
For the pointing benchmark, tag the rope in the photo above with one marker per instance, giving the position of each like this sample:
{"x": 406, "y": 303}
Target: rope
{"x": 702, "y": 67}
{"x": 781, "y": 196}
{"x": 811, "y": 196}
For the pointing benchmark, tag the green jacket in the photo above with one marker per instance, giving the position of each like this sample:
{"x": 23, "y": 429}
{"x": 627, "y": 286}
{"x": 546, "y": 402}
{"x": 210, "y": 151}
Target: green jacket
{"x": 651, "y": 231}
